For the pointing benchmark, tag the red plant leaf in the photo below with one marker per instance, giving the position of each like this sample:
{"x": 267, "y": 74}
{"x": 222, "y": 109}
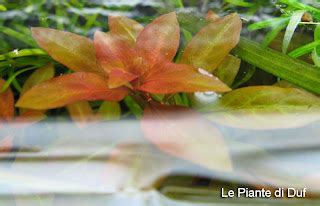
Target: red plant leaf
{"x": 175, "y": 78}
{"x": 126, "y": 28}
{"x": 6, "y": 103}
{"x": 119, "y": 77}
{"x": 159, "y": 41}
{"x": 183, "y": 133}
{"x": 212, "y": 17}
{"x": 211, "y": 45}
{"x": 112, "y": 51}
{"x": 74, "y": 51}
{"x": 67, "y": 89}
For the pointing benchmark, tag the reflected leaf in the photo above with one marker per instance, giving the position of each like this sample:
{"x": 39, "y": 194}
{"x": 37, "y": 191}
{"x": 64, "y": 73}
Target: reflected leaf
{"x": 264, "y": 107}
{"x": 132, "y": 166}
{"x": 183, "y": 133}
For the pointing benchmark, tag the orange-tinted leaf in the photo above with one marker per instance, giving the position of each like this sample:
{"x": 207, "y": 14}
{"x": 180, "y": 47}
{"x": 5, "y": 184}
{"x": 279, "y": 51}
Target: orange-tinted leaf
{"x": 126, "y": 28}
{"x": 6, "y": 103}
{"x": 159, "y": 41}
{"x": 183, "y": 133}
{"x": 67, "y": 89}
{"x": 40, "y": 75}
{"x": 175, "y": 78}
{"x": 29, "y": 117}
{"x": 119, "y": 77}
{"x": 212, "y": 17}
{"x": 74, "y": 51}
{"x": 80, "y": 112}
{"x": 213, "y": 43}
{"x": 112, "y": 51}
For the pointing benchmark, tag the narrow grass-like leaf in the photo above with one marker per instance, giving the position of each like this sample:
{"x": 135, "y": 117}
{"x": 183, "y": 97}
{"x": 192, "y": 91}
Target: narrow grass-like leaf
{"x": 295, "y": 71}
{"x": 302, "y": 6}
{"x": 315, "y": 58}
{"x": 293, "y": 23}
{"x": 271, "y": 35}
{"x": 22, "y": 53}
{"x": 269, "y": 23}
{"x": 241, "y": 3}
{"x": 22, "y": 37}
{"x": 305, "y": 49}
{"x": 12, "y": 78}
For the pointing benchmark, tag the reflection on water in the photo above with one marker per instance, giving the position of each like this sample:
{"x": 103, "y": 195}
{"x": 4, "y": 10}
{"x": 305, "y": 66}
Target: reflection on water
{"x": 115, "y": 158}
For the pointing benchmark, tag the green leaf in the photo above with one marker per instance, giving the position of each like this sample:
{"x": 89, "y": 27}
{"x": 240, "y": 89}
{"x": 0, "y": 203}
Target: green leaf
{"x": 305, "y": 49}
{"x": 133, "y": 106}
{"x": 250, "y": 106}
{"x": 22, "y": 53}
{"x": 13, "y": 77}
{"x": 315, "y": 57}
{"x": 206, "y": 50}
{"x": 295, "y": 71}
{"x": 271, "y": 35}
{"x": 40, "y": 75}
{"x": 2, "y": 8}
{"x": 228, "y": 70}
{"x": 269, "y": 23}
{"x": 109, "y": 111}
{"x": 293, "y": 23}
{"x": 22, "y": 37}
{"x": 240, "y": 3}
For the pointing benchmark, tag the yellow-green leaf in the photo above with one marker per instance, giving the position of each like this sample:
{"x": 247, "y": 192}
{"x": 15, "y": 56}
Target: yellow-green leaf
{"x": 228, "y": 69}
{"x": 109, "y": 111}
{"x": 40, "y": 75}
{"x": 212, "y": 44}
{"x": 264, "y": 107}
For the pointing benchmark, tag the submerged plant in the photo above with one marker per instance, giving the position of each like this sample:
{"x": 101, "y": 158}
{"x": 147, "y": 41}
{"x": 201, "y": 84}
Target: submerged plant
{"x": 130, "y": 59}
{"x": 136, "y": 61}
